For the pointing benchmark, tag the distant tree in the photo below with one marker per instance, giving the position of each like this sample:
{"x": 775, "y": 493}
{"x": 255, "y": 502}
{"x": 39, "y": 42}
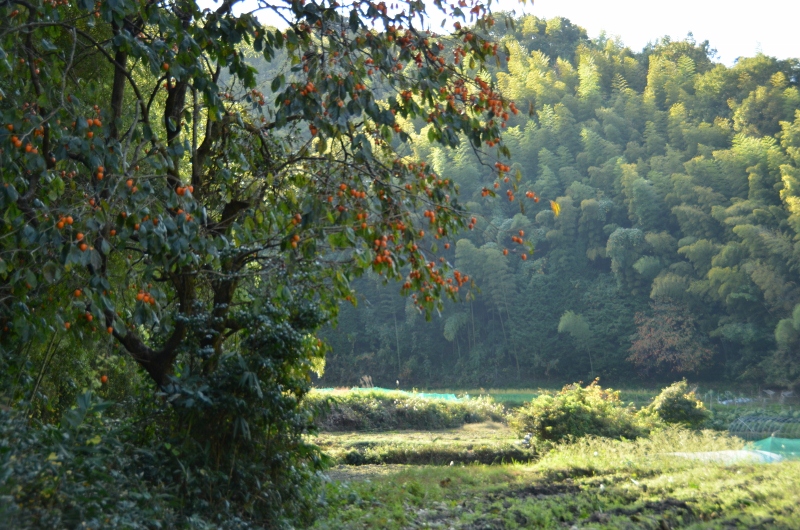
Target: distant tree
{"x": 624, "y": 247}
{"x": 782, "y": 367}
{"x": 668, "y": 340}
{"x": 576, "y": 326}
{"x": 675, "y": 176}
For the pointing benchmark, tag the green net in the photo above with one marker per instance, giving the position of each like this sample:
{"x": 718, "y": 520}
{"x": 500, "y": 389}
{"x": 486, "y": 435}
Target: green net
{"x": 786, "y": 447}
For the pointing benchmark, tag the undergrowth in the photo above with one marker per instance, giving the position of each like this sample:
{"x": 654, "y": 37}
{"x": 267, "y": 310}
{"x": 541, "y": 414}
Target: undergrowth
{"x": 577, "y": 411}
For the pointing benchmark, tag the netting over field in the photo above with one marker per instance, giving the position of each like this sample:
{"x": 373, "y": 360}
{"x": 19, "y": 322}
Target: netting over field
{"x": 783, "y": 446}
{"x": 759, "y": 427}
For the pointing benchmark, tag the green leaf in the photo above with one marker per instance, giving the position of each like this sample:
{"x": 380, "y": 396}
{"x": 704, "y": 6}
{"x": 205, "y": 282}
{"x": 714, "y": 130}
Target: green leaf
{"x": 51, "y": 272}
{"x": 277, "y": 83}
{"x": 30, "y": 277}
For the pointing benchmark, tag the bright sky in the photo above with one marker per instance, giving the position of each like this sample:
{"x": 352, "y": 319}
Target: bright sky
{"x": 734, "y": 27}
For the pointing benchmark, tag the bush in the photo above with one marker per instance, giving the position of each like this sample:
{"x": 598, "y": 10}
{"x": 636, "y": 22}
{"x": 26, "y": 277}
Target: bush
{"x": 381, "y": 410}
{"x": 676, "y": 404}
{"x": 139, "y": 471}
{"x": 85, "y": 473}
{"x": 575, "y": 412}
{"x": 223, "y": 449}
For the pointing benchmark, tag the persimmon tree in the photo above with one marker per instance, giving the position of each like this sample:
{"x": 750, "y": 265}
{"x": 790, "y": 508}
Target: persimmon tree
{"x": 149, "y": 173}
{"x": 207, "y": 215}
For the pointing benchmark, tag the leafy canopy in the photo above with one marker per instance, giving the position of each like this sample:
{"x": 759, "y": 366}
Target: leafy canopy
{"x": 160, "y": 188}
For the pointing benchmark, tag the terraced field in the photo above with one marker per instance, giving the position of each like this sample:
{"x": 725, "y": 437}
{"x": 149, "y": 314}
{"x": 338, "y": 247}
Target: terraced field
{"x": 481, "y": 476}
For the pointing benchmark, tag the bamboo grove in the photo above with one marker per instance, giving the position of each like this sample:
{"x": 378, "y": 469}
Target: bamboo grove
{"x": 676, "y": 248}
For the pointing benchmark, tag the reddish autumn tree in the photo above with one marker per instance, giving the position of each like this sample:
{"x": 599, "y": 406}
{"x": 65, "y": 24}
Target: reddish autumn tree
{"x": 668, "y": 340}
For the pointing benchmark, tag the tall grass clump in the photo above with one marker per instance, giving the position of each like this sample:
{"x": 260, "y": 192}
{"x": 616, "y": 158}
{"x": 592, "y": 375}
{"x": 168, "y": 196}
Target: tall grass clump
{"x": 576, "y": 411}
{"x": 677, "y": 404}
{"x": 371, "y": 410}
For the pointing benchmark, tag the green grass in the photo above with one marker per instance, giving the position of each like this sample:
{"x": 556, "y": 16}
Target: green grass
{"x": 592, "y": 483}
{"x": 588, "y": 483}
{"x": 487, "y": 443}
{"x": 381, "y": 410}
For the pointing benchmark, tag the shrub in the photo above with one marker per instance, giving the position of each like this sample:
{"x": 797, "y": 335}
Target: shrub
{"x": 676, "y": 404}
{"x": 85, "y": 473}
{"x": 221, "y": 449}
{"x": 381, "y": 410}
{"x": 96, "y": 471}
{"x": 577, "y": 411}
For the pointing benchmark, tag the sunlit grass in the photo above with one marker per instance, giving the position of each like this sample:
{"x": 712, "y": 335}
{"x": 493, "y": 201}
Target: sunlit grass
{"x": 489, "y": 442}
{"x": 591, "y": 483}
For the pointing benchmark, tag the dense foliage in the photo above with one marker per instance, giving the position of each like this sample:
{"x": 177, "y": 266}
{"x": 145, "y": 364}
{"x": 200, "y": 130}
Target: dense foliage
{"x": 186, "y": 197}
{"x": 575, "y": 412}
{"x": 679, "y": 405}
{"x": 675, "y": 251}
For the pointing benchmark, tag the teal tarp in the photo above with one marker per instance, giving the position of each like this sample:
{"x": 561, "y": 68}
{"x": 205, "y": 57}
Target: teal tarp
{"x": 732, "y": 457}
{"x": 446, "y": 397}
{"x": 786, "y": 447}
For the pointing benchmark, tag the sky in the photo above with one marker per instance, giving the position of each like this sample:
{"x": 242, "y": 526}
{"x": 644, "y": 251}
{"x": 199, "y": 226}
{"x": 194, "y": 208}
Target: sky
{"x": 734, "y": 27}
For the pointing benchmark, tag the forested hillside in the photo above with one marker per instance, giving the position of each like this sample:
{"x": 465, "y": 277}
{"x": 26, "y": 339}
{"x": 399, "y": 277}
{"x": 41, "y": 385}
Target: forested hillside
{"x": 675, "y": 251}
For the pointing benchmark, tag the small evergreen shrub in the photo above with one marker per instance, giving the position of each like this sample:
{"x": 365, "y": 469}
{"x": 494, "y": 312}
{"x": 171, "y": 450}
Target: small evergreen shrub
{"x": 676, "y": 404}
{"x": 577, "y": 411}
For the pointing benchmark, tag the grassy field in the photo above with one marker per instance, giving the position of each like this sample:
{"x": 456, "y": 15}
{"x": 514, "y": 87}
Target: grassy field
{"x": 589, "y": 484}
{"x": 439, "y": 478}
{"x": 486, "y": 443}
